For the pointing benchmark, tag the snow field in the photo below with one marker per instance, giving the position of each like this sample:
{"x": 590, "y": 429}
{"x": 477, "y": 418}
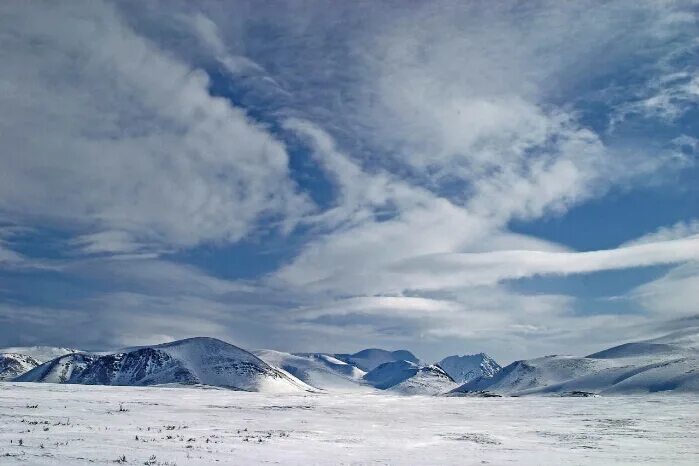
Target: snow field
{"x": 78, "y": 424}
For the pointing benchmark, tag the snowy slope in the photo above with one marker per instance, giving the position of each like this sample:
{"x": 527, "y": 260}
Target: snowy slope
{"x": 39, "y": 353}
{"x": 639, "y": 367}
{"x": 206, "y": 361}
{"x": 466, "y": 368}
{"x": 370, "y": 359}
{"x": 408, "y": 378}
{"x": 391, "y": 373}
{"x": 64, "y": 369}
{"x": 429, "y": 380}
{"x": 14, "y": 364}
{"x": 318, "y": 370}
{"x": 639, "y": 349}
{"x": 686, "y": 338}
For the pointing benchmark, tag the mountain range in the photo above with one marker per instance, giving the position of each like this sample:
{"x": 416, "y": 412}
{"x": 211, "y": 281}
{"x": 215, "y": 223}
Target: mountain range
{"x": 15, "y": 361}
{"x": 666, "y": 364}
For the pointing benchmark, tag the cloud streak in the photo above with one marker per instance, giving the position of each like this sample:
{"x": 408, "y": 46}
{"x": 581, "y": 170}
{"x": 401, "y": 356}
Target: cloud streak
{"x": 448, "y": 270}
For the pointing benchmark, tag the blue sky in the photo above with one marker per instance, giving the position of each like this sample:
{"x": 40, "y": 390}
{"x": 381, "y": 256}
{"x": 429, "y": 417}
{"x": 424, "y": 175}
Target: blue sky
{"x": 448, "y": 177}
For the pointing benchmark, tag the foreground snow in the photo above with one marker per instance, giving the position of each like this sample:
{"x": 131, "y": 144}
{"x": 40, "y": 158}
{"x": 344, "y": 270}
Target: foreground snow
{"x": 74, "y": 424}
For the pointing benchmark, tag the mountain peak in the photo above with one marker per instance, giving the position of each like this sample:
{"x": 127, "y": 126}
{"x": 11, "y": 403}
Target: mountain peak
{"x": 469, "y": 367}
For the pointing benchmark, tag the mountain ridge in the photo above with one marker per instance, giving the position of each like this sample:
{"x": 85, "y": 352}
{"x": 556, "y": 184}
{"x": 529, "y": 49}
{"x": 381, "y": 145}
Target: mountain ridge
{"x": 198, "y": 360}
{"x": 468, "y": 367}
{"x": 669, "y": 363}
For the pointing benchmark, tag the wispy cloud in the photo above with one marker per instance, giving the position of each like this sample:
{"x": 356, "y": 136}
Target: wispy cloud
{"x": 145, "y": 134}
{"x": 131, "y": 137}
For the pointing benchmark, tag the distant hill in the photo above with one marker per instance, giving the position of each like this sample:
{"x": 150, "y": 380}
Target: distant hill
{"x": 319, "y": 370}
{"x": 13, "y": 365}
{"x": 205, "y": 361}
{"x": 667, "y": 364}
{"x": 370, "y": 359}
{"x": 408, "y": 378}
{"x": 466, "y": 368}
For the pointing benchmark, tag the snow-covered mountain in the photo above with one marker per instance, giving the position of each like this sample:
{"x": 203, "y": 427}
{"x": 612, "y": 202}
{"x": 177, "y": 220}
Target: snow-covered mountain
{"x": 205, "y": 361}
{"x": 14, "y": 364}
{"x": 319, "y": 370}
{"x": 39, "y": 353}
{"x": 369, "y": 359}
{"x": 665, "y": 364}
{"x": 64, "y": 369}
{"x": 640, "y": 367}
{"x": 408, "y": 378}
{"x": 391, "y": 373}
{"x": 466, "y": 368}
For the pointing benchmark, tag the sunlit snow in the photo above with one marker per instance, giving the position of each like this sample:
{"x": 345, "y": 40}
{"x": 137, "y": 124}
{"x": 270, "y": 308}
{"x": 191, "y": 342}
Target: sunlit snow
{"x": 76, "y": 424}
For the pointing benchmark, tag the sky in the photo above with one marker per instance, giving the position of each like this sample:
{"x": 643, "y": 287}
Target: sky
{"x": 450, "y": 177}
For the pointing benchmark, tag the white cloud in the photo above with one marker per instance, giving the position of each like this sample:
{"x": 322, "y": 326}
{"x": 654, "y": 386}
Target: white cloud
{"x": 356, "y": 259}
{"x": 666, "y": 98}
{"x": 208, "y": 33}
{"x": 8, "y": 255}
{"x": 107, "y": 242}
{"x": 431, "y": 243}
{"x": 674, "y": 294}
{"x": 151, "y": 276}
{"x": 116, "y": 135}
{"x": 681, "y": 229}
{"x": 452, "y": 270}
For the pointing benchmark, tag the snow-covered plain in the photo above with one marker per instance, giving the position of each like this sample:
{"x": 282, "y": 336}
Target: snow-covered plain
{"x": 80, "y": 424}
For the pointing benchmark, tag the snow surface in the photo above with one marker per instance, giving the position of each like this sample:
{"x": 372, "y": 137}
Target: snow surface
{"x": 206, "y": 361}
{"x": 81, "y": 424}
{"x": 466, "y": 368}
